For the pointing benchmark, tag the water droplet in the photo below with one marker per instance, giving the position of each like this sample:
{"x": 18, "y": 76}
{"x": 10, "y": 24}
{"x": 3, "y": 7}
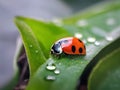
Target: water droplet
{"x": 50, "y": 62}
{"x": 51, "y": 67}
{"x": 57, "y": 71}
{"x": 78, "y": 35}
{"x": 109, "y": 38}
{"x": 49, "y": 77}
{"x": 91, "y": 39}
{"x": 36, "y": 51}
{"x": 58, "y": 22}
{"x": 30, "y": 46}
{"x": 97, "y": 43}
{"x": 82, "y": 23}
{"x": 59, "y": 63}
{"x": 110, "y": 21}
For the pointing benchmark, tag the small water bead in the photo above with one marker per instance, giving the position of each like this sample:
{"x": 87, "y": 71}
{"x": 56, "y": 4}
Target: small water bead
{"x": 78, "y": 35}
{"x": 59, "y": 63}
{"x": 51, "y": 67}
{"x": 109, "y": 38}
{"x": 50, "y": 77}
{"x": 36, "y": 51}
{"x": 97, "y": 43}
{"x": 51, "y": 62}
{"x": 58, "y": 22}
{"x": 82, "y": 23}
{"x": 57, "y": 71}
{"x": 91, "y": 39}
{"x": 110, "y": 21}
{"x": 30, "y": 46}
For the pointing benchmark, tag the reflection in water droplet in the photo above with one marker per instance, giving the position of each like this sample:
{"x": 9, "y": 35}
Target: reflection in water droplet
{"x": 91, "y": 39}
{"x": 82, "y": 23}
{"x": 49, "y": 77}
{"x": 97, "y": 43}
{"x": 109, "y": 38}
{"x": 110, "y": 21}
{"x": 51, "y": 67}
{"x": 57, "y": 71}
{"x": 57, "y": 21}
{"x": 36, "y": 51}
{"x": 30, "y": 46}
{"x": 78, "y": 35}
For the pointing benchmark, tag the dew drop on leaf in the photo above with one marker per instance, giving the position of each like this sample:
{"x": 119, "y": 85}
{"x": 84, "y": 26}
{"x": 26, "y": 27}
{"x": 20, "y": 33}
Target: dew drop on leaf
{"x": 51, "y": 62}
{"x": 110, "y": 21}
{"x": 109, "y": 38}
{"x": 82, "y": 23}
{"x": 91, "y": 39}
{"x": 57, "y": 21}
{"x": 51, "y": 67}
{"x": 59, "y": 63}
{"x": 78, "y": 35}
{"x": 51, "y": 78}
{"x": 57, "y": 71}
{"x": 97, "y": 43}
{"x": 30, "y": 46}
{"x": 36, "y": 51}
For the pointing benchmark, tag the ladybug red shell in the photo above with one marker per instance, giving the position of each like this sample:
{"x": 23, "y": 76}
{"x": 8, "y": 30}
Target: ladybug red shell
{"x": 69, "y": 45}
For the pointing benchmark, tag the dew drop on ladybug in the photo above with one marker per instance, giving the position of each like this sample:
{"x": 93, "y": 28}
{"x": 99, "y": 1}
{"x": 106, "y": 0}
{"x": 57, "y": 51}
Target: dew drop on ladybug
{"x": 68, "y": 45}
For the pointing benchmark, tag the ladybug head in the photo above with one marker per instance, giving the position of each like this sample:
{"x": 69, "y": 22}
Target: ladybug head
{"x": 56, "y": 49}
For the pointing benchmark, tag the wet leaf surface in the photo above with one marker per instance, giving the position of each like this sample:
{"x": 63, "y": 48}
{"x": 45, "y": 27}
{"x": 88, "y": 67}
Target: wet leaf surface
{"x": 99, "y": 24}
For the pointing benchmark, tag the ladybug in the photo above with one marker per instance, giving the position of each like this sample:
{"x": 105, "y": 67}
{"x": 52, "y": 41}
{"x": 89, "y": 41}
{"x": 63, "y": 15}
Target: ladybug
{"x": 68, "y": 45}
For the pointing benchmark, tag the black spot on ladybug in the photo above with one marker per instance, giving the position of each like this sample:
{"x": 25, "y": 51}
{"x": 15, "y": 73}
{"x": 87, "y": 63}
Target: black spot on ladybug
{"x": 80, "y": 50}
{"x": 79, "y": 40}
{"x": 73, "y": 49}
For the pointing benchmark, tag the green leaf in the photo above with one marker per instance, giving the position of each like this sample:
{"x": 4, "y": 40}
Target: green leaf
{"x": 36, "y": 34}
{"x": 105, "y": 75}
{"x": 42, "y": 35}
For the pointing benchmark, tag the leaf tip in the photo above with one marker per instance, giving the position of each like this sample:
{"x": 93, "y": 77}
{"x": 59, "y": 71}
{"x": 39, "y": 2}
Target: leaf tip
{"x": 19, "y": 18}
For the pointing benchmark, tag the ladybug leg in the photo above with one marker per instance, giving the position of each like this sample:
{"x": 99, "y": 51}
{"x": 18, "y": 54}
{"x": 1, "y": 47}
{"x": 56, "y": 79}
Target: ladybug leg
{"x": 66, "y": 54}
{"x": 56, "y": 56}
